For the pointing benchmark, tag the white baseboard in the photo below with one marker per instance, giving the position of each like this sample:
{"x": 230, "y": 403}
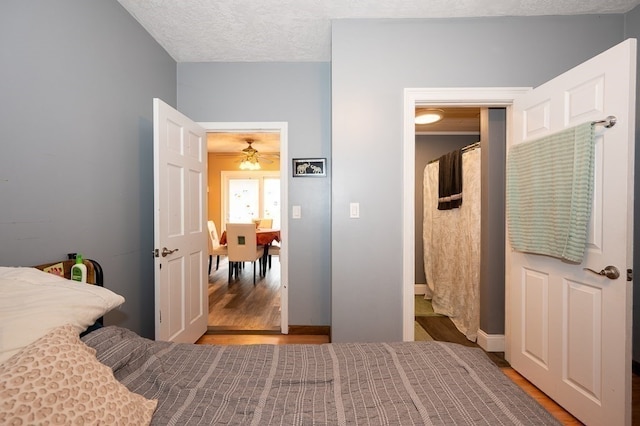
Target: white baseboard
{"x": 419, "y": 288}
{"x": 491, "y": 342}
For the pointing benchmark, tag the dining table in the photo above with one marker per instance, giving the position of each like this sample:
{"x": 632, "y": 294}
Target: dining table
{"x": 264, "y": 237}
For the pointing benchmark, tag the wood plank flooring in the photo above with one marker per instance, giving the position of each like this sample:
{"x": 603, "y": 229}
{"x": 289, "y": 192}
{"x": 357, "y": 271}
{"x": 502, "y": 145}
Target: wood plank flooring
{"x": 442, "y": 329}
{"x": 241, "y": 305}
{"x": 262, "y": 339}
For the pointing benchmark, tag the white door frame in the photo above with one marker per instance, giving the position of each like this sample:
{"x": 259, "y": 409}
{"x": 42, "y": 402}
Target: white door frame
{"x": 460, "y": 96}
{"x": 282, "y": 128}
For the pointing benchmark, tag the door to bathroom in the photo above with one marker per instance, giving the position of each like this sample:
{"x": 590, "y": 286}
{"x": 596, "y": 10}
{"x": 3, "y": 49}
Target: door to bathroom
{"x": 570, "y": 328}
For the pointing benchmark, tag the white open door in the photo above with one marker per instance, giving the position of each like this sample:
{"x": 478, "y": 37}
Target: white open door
{"x": 569, "y": 330}
{"x": 180, "y": 231}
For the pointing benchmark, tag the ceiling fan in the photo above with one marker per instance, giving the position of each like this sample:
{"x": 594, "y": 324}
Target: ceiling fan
{"x": 251, "y": 158}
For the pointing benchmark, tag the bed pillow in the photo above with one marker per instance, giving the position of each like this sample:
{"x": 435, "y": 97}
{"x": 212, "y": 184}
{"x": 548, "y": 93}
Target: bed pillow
{"x": 57, "y": 379}
{"x": 33, "y": 302}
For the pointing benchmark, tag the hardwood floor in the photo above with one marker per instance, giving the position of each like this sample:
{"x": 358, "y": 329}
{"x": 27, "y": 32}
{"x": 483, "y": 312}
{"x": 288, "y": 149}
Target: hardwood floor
{"x": 241, "y": 305}
{"x": 442, "y": 329}
{"x": 262, "y": 339}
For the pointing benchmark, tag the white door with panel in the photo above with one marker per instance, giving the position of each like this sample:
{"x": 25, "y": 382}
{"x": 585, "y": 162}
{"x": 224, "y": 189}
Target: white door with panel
{"x": 180, "y": 231}
{"x": 569, "y": 329}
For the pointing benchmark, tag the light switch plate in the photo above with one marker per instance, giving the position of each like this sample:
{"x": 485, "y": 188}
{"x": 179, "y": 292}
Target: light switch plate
{"x": 296, "y": 212}
{"x": 354, "y": 210}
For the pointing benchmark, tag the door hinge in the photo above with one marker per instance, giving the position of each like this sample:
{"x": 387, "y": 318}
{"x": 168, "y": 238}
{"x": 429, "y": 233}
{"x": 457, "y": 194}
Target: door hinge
{"x": 629, "y": 274}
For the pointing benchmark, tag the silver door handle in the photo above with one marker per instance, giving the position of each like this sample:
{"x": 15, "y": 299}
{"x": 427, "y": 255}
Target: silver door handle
{"x": 610, "y": 272}
{"x": 166, "y": 251}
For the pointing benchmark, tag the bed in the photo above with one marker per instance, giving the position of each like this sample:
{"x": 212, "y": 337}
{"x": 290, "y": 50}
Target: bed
{"x": 112, "y": 375}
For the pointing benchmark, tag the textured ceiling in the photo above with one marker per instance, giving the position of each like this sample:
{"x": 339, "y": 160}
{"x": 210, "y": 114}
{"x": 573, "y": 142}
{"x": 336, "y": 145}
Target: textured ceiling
{"x": 300, "y": 30}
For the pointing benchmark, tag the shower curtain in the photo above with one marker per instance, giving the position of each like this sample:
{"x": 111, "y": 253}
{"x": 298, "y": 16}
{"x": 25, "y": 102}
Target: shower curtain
{"x": 452, "y": 247}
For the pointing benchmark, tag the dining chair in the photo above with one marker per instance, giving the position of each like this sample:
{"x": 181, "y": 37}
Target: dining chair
{"x": 274, "y": 250}
{"x": 215, "y": 249}
{"x": 265, "y": 223}
{"x": 242, "y": 247}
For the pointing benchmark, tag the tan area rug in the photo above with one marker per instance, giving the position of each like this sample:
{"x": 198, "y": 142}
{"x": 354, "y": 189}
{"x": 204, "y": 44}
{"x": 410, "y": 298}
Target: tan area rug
{"x": 423, "y": 308}
{"x": 419, "y": 333}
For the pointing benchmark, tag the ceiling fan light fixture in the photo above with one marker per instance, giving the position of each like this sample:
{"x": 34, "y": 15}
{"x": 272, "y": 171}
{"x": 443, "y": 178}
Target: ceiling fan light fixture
{"x": 429, "y": 116}
{"x": 249, "y": 164}
{"x": 250, "y": 160}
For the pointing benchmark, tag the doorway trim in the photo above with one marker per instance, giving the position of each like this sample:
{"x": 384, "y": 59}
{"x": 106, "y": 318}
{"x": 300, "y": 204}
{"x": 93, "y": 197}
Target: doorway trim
{"x": 285, "y": 172}
{"x": 459, "y": 97}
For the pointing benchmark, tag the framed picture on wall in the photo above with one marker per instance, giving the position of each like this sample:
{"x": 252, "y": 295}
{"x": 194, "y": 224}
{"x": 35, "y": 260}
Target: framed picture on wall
{"x": 309, "y": 167}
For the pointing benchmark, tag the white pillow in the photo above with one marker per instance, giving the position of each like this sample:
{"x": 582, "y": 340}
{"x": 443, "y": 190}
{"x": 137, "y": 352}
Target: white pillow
{"x": 33, "y": 302}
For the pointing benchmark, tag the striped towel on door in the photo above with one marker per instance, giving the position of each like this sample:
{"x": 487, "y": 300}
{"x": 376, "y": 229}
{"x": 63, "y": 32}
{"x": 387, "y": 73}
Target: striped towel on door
{"x": 549, "y": 193}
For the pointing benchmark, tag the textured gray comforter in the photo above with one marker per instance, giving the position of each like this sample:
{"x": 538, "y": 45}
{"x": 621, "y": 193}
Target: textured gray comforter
{"x": 417, "y": 383}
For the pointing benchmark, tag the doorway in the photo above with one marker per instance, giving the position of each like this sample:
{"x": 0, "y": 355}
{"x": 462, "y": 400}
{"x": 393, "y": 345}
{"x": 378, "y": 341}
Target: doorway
{"x": 446, "y": 272}
{"x": 280, "y": 128}
{"x": 457, "y": 97}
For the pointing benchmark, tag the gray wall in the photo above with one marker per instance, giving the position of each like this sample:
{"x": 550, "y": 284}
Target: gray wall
{"x": 372, "y": 62}
{"x": 77, "y": 80}
{"x": 493, "y": 125}
{"x": 430, "y": 147}
{"x": 298, "y": 93}
{"x": 632, "y": 30}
